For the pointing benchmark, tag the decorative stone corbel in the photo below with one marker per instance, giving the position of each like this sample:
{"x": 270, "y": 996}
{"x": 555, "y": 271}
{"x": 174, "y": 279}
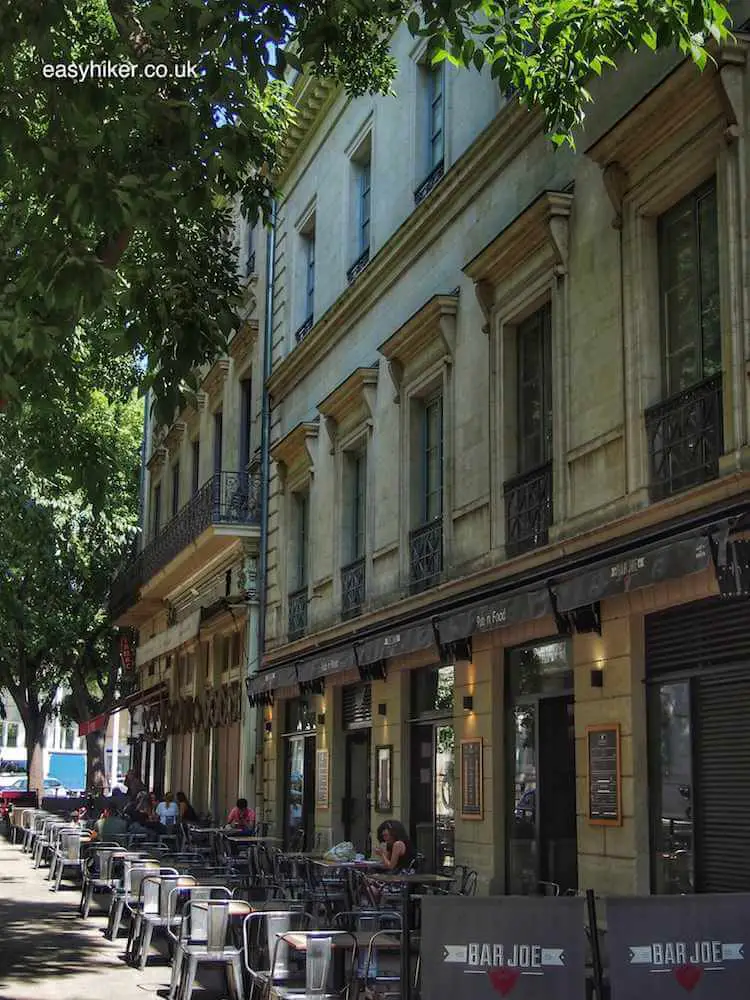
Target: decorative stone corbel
{"x": 369, "y": 397}
{"x": 201, "y": 401}
{"x": 485, "y": 294}
{"x": 396, "y": 372}
{"x": 281, "y": 474}
{"x": 332, "y": 428}
{"x": 730, "y": 80}
{"x": 616, "y": 184}
{"x": 557, "y": 226}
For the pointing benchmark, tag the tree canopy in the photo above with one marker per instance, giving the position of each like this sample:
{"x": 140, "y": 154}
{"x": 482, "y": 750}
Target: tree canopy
{"x": 61, "y": 540}
{"x": 116, "y": 193}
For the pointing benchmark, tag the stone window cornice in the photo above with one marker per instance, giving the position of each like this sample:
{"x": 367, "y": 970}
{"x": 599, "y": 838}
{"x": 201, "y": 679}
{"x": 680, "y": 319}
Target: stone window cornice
{"x": 426, "y": 337}
{"x": 294, "y": 454}
{"x": 158, "y": 458}
{"x": 174, "y": 437}
{"x": 241, "y": 345}
{"x": 351, "y": 404}
{"x": 214, "y": 381}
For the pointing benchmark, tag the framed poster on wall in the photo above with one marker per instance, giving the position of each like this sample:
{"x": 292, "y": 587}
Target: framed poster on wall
{"x": 384, "y": 778}
{"x": 322, "y": 797}
{"x": 471, "y": 778}
{"x": 605, "y": 779}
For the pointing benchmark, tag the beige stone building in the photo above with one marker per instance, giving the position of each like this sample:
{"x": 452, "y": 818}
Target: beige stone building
{"x": 510, "y": 466}
{"x": 191, "y": 590}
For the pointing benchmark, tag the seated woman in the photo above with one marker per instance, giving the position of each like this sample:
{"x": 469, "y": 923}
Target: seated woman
{"x": 241, "y": 818}
{"x": 395, "y": 849}
{"x": 168, "y": 811}
{"x": 187, "y": 813}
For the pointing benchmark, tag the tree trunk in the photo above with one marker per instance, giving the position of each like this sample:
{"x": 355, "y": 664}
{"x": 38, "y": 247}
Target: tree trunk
{"x": 95, "y": 761}
{"x": 35, "y": 757}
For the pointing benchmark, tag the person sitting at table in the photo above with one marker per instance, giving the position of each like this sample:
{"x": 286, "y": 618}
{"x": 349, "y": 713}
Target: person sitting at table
{"x": 395, "y": 849}
{"x": 168, "y": 811}
{"x": 111, "y": 825}
{"x": 241, "y": 818}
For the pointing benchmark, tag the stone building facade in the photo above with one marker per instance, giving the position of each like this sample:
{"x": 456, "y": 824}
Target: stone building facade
{"x": 510, "y": 467}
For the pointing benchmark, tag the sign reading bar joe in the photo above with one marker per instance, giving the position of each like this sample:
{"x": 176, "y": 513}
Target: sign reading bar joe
{"x": 667, "y": 947}
{"x": 522, "y": 947}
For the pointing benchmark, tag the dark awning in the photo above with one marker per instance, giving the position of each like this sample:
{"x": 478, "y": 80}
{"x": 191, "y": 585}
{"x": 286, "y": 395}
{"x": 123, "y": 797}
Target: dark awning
{"x": 331, "y": 662}
{"x": 640, "y": 568}
{"x": 408, "y": 639}
{"x": 493, "y": 613}
{"x": 261, "y": 686}
{"x": 145, "y": 697}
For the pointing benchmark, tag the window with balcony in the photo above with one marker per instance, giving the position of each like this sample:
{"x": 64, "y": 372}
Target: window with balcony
{"x": 175, "y": 488}
{"x": 156, "y": 510}
{"x": 431, "y": 124}
{"x": 196, "y": 466}
{"x": 246, "y": 417}
{"x": 307, "y": 279}
{"x": 426, "y": 539}
{"x": 361, "y": 172}
{"x": 685, "y": 429}
{"x": 355, "y": 536}
{"x": 218, "y": 440}
{"x": 298, "y": 596}
{"x": 528, "y": 495}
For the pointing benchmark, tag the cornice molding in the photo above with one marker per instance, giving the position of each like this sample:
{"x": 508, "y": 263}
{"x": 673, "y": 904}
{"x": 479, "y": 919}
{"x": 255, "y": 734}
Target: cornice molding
{"x": 311, "y": 99}
{"x": 241, "y": 345}
{"x": 686, "y": 102}
{"x": 435, "y": 320}
{"x": 174, "y": 437}
{"x": 158, "y": 458}
{"x": 351, "y": 404}
{"x": 293, "y": 454}
{"x": 506, "y": 136}
{"x": 216, "y": 377}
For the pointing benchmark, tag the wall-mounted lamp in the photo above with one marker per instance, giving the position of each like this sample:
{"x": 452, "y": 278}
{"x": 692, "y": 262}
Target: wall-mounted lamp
{"x": 468, "y": 703}
{"x": 322, "y": 719}
{"x": 597, "y": 678}
{"x": 268, "y": 726}
{"x": 382, "y": 709}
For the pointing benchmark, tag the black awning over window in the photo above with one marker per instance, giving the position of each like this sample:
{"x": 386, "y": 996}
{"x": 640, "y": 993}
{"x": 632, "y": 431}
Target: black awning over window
{"x": 409, "y": 639}
{"x": 636, "y": 569}
{"x": 333, "y": 661}
{"x": 261, "y": 686}
{"x": 497, "y": 612}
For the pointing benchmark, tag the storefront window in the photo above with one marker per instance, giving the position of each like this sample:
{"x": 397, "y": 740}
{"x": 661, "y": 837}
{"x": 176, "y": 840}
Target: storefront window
{"x": 671, "y": 739}
{"x": 432, "y": 691}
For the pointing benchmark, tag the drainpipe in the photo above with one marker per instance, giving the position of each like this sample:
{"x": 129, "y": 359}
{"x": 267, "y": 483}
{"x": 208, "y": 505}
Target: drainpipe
{"x": 142, "y": 487}
{"x": 265, "y": 464}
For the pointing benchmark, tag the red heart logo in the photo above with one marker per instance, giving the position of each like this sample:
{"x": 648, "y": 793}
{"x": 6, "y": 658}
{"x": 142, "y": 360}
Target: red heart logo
{"x": 688, "y": 976}
{"x": 503, "y": 979}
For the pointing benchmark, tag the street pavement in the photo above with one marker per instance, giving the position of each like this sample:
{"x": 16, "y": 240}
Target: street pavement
{"x": 47, "y": 952}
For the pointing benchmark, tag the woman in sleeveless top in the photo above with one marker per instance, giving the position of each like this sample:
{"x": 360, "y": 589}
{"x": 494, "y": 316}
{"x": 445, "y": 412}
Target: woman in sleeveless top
{"x": 396, "y": 850}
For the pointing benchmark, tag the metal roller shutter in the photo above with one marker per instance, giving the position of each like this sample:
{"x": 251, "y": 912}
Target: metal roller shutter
{"x": 357, "y": 706}
{"x": 690, "y": 635}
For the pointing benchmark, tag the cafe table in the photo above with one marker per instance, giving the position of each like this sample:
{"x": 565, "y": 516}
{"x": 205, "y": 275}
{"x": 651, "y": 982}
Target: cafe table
{"x": 407, "y": 884}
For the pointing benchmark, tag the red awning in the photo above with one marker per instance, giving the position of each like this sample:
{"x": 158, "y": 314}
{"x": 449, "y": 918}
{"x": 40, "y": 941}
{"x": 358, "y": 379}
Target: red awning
{"x": 93, "y": 725}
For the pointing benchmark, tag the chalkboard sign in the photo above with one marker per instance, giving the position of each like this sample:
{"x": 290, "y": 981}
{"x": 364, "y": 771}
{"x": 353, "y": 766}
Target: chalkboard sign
{"x": 605, "y": 802}
{"x": 471, "y": 779}
{"x": 321, "y": 780}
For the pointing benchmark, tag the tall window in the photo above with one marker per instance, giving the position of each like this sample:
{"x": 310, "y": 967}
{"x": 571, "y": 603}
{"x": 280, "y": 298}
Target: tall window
{"x": 218, "y": 434}
{"x": 363, "y": 231}
{"x": 156, "y": 511}
{"x": 432, "y": 458}
{"x": 175, "y": 488}
{"x": 357, "y": 504}
{"x": 246, "y": 420}
{"x": 309, "y": 274}
{"x": 436, "y": 116}
{"x": 302, "y": 537}
{"x": 196, "y": 469}
{"x": 689, "y": 289}
{"x": 534, "y": 390}
{"x": 68, "y": 738}
{"x": 12, "y": 735}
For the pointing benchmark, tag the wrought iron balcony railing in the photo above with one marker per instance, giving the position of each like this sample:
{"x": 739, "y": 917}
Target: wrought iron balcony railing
{"x": 429, "y": 183}
{"x": 304, "y": 330}
{"x": 358, "y": 266}
{"x": 685, "y": 438}
{"x": 297, "y": 613}
{"x": 426, "y": 555}
{"x": 226, "y": 498}
{"x": 528, "y": 510}
{"x": 352, "y": 588}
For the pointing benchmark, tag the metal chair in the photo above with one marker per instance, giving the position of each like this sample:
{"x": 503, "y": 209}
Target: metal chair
{"x": 97, "y": 873}
{"x": 67, "y": 855}
{"x": 176, "y": 930}
{"x": 260, "y": 932}
{"x": 134, "y": 871}
{"x": 319, "y": 948}
{"x": 204, "y": 934}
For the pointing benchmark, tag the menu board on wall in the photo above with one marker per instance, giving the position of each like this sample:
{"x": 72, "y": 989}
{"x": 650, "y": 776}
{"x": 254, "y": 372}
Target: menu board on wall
{"x": 471, "y": 779}
{"x": 605, "y": 784}
{"x": 322, "y": 800}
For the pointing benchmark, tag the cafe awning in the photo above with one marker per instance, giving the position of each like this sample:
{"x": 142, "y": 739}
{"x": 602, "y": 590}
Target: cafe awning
{"x": 261, "y": 686}
{"x": 408, "y": 639}
{"x": 497, "y": 612}
{"x": 94, "y": 725}
{"x": 638, "y": 568}
{"x": 145, "y": 697}
{"x": 332, "y": 661}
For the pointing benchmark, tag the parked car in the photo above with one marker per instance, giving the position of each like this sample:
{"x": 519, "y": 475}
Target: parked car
{"x": 52, "y": 788}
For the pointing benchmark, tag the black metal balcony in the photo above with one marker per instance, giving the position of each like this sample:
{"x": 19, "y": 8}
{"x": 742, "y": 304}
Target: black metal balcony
{"x": 528, "y": 510}
{"x": 358, "y": 266}
{"x": 426, "y": 555}
{"x": 304, "y": 330}
{"x": 685, "y": 438}
{"x": 297, "y": 613}
{"x": 226, "y": 498}
{"x": 352, "y": 588}
{"x": 429, "y": 183}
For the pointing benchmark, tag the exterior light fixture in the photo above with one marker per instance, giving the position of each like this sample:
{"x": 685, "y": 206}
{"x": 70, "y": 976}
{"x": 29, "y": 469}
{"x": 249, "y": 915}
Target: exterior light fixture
{"x": 468, "y": 703}
{"x": 382, "y": 709}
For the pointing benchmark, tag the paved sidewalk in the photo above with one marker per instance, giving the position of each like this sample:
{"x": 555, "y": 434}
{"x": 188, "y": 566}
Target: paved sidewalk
{"x": 47, "y": 952}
